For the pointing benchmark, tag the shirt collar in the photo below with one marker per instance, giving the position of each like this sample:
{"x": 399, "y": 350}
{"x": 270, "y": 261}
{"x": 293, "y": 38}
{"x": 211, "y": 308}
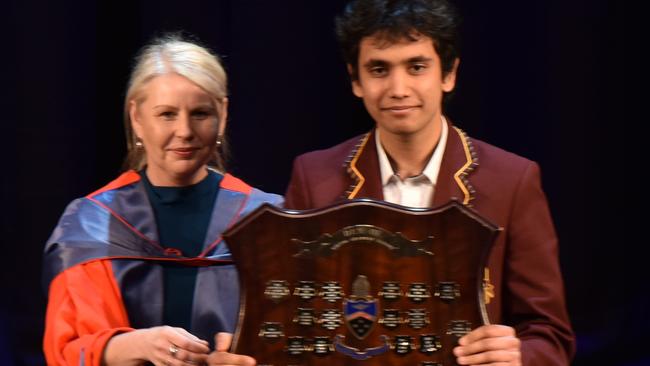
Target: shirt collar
{"x": 432, "y": 168}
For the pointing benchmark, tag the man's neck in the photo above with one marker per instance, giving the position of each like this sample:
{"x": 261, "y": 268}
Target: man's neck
{"x": 409, "y": 154}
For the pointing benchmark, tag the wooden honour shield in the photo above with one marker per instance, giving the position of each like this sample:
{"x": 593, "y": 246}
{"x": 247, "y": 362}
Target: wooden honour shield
{"x": 359, "y": 283}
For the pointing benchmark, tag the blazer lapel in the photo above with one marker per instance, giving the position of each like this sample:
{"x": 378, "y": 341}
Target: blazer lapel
{"x": 363, "y": 167}
{"x": 457, "y": 163}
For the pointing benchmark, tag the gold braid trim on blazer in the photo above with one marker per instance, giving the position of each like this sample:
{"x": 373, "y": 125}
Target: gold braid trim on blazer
{"x": 472, "y": 162}
{"x": 460, "y": 176}
{"x": 351, "y": 164}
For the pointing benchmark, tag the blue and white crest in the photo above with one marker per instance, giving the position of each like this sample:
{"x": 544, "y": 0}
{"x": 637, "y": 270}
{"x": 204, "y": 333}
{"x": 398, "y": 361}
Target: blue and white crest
{"x": 360, "y": 310}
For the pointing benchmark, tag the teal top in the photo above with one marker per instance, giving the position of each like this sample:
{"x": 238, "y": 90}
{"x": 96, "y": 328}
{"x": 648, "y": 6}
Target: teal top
{"x": 182, "y": 216}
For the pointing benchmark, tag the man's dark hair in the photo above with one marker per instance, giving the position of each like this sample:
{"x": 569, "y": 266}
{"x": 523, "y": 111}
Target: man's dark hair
{"x": 393, "y": 20}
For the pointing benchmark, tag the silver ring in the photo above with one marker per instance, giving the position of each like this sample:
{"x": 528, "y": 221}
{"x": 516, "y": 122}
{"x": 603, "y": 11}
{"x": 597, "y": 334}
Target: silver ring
{"x": 173, "y": 350}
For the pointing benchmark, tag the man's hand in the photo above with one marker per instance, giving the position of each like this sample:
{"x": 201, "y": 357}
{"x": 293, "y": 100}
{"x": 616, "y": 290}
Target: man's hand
{"x": 495, "y": 345}
{"x": 220, "y": 356}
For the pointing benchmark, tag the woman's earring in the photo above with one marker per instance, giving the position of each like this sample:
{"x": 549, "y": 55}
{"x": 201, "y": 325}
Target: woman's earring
{"x": 138, "y": 144}
{"x": 219, "y": 141}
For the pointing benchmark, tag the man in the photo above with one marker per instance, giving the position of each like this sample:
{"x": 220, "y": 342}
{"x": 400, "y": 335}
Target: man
{"x": 402, "y": 58}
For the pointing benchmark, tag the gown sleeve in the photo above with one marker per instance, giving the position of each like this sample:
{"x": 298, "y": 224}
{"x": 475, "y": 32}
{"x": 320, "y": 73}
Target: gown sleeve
{"x": 84, "y": 310}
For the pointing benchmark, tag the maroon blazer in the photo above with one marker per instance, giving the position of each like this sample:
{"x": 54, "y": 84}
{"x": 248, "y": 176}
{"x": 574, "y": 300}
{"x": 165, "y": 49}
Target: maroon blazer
{"x": 505, "y": 189}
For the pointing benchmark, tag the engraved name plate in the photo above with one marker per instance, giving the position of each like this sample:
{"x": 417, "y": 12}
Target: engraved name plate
{"x": 271, "y": 331}
{"x": 391, "y": 319}
{"x": 447, "y": 291}
{"x": 305, "y": 316}
{"x": 403, "y": 344}
{"x": 306, "y": 290}
{"x": 459, "y": 327}
{"x": 322, "y": 346}
{"x": 296, "y": 346}
{"x": 277, "y": 290}
{"x": 418, "y": 292}
{"x": 331, "y": 319}
{"x": 417, "y": 318}
{"x": 331, "y": 291}
{"x": 390, "y": 290}
{"x": 429, "y": 343}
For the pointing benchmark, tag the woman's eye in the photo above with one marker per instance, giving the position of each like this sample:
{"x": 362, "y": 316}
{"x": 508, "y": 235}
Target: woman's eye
{"x": 168, "y": 116}
{"x": 200, "y": 114}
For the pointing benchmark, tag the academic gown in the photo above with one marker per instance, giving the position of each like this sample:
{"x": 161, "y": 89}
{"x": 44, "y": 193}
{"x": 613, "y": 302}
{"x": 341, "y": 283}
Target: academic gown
{"x": 102, "y": 269}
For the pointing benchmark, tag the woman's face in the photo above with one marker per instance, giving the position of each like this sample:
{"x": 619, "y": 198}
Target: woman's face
{"x": 178, "y": 123}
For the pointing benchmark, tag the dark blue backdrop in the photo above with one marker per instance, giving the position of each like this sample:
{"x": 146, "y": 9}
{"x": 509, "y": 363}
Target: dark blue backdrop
{"x": 544, "y": 79}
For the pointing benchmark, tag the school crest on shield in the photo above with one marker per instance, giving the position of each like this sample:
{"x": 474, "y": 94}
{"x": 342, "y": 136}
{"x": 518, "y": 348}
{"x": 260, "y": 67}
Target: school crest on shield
{"x": 360, "y": 309}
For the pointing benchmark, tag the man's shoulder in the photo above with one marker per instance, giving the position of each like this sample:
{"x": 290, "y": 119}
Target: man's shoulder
{"x": 342, "y": 149}
{"x": 333, "y": 156}
{"x": 498, "y": 158}
{"x": 500, "y": 170}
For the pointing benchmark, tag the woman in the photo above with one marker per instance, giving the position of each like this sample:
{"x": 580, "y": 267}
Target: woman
{"x": 137, "y": 271}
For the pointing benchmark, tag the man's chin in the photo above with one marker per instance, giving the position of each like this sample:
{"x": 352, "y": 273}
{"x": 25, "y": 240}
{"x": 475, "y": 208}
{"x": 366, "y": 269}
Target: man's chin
{"x": 400, "y": 129}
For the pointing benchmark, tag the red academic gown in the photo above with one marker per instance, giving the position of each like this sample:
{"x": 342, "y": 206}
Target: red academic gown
{"x": 102, "y": 269}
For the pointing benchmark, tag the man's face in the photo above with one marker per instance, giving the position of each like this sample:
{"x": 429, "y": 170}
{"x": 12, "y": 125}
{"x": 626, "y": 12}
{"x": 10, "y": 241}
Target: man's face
{"x": 401, "y": 84}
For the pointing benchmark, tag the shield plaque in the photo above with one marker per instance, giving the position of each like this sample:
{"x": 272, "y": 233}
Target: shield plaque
{"x": 362, "y": 282}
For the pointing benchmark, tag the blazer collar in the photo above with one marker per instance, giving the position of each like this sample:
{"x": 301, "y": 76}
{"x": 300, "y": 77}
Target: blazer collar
{"x": 362, "y": 165}
{"x": 458, "y": 162}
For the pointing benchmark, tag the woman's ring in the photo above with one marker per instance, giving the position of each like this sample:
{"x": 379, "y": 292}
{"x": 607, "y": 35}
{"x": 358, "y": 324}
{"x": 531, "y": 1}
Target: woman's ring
{"x": 173, "y": 350}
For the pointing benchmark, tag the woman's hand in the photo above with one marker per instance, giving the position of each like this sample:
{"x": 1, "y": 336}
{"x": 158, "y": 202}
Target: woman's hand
{"x": 489, "y": 345}
{"x": 162, "y": 346}
{"x": 220, "y": 356}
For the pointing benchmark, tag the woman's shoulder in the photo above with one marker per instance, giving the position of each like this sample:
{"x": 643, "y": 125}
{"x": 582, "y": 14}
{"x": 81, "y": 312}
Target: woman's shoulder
{"x": 272, "y": 198}
{"x": 125, "y": 179}
{"x": 256, "y": 195}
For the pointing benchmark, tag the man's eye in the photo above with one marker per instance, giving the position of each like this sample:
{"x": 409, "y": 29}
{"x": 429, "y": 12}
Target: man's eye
{"x": 378, "y": 71}
{"x": 417, "y": 68}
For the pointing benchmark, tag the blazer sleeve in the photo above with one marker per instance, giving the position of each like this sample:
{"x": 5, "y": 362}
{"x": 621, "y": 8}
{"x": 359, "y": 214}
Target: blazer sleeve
{"x": 84, "y": 311}
{"x": 535, "y": 300}
{"x": 297, "y": 195}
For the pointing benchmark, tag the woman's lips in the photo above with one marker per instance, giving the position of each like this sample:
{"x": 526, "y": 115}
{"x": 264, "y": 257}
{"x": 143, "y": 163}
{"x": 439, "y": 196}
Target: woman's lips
{"x": 184, "y": 152}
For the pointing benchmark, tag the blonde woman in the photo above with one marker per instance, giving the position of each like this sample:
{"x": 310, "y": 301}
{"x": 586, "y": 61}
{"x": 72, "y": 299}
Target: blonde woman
{"x": 137, "y": 271}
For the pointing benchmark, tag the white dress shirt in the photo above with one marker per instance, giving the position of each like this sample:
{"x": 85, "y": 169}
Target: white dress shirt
{"x": 413, "y": 191}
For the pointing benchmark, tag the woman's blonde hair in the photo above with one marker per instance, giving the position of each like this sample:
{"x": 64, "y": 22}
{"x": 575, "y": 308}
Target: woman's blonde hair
{"x": 172, "y": 54}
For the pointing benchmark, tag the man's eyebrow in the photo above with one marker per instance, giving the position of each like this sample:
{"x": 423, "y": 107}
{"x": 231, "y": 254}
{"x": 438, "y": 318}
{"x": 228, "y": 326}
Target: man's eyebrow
{"x": 375, "y": 62}
{"x": 419, "y": 59}
{"x": 378, "y": 62}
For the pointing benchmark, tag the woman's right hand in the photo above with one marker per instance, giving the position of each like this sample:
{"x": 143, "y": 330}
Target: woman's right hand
{"x": 162, "y": 346}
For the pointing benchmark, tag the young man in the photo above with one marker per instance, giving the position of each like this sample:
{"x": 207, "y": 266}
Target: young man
{"x": 402, "y": 58}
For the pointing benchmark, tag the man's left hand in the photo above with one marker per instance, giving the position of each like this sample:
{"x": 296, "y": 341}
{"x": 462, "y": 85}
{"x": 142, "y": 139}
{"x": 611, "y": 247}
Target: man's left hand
{"x": 221, "y": 356}
{"x": 495, "y": 345}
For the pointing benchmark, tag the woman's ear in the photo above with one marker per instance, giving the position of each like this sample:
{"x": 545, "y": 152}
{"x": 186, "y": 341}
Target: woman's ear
{"x": 223, "y": 116}
{"x": 135, "y": 121}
